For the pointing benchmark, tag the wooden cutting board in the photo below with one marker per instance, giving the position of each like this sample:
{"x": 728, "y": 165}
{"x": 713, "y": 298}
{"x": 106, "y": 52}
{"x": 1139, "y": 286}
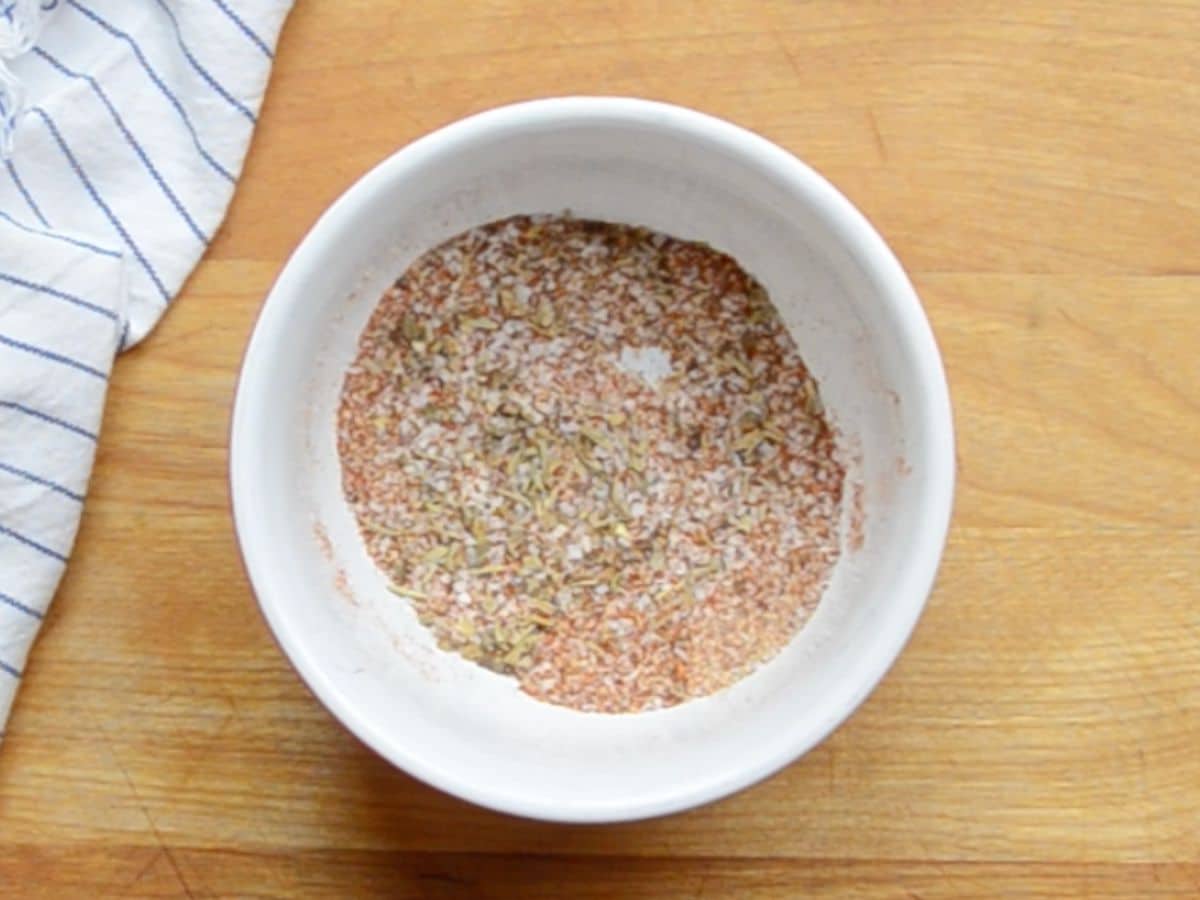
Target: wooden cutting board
{"x": 1035, "y": 166}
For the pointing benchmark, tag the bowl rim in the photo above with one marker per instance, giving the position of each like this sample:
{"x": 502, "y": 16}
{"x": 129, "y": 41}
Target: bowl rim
{"x": 850, "y": 227}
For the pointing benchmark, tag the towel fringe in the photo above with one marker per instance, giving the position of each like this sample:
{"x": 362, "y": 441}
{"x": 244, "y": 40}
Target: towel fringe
{"x": 21, "y": 22}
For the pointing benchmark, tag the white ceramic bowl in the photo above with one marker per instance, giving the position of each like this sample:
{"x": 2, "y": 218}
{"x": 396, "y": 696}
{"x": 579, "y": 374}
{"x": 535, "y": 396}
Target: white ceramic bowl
{"x": 858, "y": 324}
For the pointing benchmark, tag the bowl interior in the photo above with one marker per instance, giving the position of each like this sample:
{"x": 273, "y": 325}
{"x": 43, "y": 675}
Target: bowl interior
{"x": 857, "y": 324}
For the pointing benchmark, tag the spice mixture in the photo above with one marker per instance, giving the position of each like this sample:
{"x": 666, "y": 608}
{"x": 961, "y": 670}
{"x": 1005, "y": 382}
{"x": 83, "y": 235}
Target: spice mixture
{"x": 590, "y": 457}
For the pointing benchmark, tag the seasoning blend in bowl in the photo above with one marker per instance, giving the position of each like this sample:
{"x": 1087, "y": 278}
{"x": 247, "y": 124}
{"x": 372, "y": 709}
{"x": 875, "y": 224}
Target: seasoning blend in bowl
{"x": 590, "y": 457}
{"x": 562, "y": 525}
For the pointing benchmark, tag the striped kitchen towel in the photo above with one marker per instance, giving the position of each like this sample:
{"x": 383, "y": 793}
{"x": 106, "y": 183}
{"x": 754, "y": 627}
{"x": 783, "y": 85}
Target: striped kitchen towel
{"x": 123, "y": 126}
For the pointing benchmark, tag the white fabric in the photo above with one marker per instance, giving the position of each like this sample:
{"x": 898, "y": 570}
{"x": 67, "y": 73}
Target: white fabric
{"x": 123, "y": 127}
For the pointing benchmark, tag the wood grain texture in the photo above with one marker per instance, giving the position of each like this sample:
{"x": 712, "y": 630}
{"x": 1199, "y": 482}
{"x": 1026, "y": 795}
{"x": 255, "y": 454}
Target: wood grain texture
{"x": 1033, "y": 164}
